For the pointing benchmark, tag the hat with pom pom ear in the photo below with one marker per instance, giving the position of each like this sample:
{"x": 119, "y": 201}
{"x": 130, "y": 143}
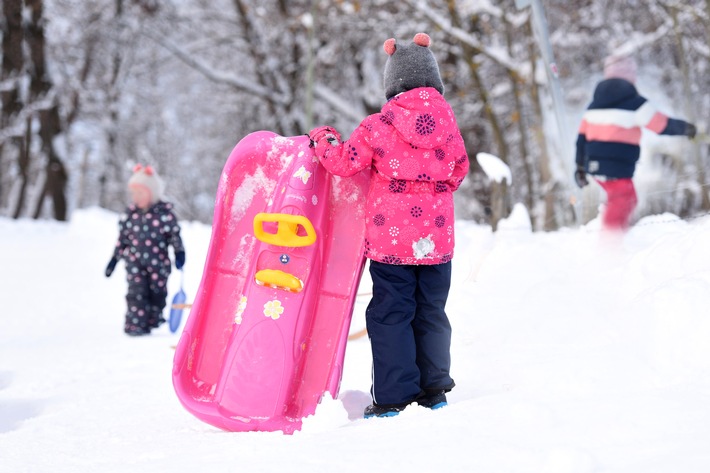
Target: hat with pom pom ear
{"x": 410, "y": 66}
{"x": 146, "y": 176}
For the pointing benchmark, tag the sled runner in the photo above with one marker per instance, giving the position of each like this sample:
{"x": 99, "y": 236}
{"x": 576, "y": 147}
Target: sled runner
{"x": 177, "y": 306}
{"x": 266, "y": 335}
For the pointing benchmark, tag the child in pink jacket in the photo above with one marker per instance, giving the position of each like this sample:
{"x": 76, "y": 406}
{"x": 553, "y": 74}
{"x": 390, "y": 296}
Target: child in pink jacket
{"x": 418, "y": 159}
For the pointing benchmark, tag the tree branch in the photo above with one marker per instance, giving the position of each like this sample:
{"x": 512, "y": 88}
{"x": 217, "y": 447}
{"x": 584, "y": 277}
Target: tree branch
{"x": 216, "y": 76}
{"x": 498, "y": 57}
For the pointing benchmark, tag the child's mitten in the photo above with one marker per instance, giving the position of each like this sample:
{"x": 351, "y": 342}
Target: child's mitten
{"x": 580, "y": 177}
{"x": 179, "y": 259}
{"x": 111, "y": 266}
{"x": 324, "y": 135}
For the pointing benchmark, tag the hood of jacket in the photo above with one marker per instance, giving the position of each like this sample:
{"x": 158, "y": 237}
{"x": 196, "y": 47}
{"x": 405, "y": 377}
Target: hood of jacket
{"x": 421, "y": 116}
{"x": 610, "y": 93}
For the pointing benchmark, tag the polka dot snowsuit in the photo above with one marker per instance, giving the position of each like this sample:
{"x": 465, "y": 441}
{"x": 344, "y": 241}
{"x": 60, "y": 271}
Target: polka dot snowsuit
{"x": 144, "y": 237}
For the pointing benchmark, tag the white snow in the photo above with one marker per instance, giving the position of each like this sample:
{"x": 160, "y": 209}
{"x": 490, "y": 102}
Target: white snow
{"x": 494, "y": 167}
{"x": 244, "y": 194}
{"x": 571, "y": 354}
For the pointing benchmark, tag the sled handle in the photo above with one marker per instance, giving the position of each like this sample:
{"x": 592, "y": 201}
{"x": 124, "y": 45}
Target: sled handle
{"x": 287, "y": 230}
{"x": 279, "y": 280}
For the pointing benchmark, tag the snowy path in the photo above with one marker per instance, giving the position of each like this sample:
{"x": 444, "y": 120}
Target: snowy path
{"x": 569, "y": 358}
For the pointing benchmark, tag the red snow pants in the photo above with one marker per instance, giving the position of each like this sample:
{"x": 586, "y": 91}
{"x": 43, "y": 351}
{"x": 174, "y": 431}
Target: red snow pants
{"x": 621, "y": 201}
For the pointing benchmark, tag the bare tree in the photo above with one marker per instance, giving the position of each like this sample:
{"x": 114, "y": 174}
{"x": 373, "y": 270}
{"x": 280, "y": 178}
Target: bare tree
{"x": 177, "y": 84}
{"x": 28, "y": 99}
{"x": 50, "y": 125}
{"x": 10, "y": 94}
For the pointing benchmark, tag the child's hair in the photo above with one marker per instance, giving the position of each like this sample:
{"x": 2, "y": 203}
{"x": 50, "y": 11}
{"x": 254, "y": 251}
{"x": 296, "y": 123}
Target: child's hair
{"x": 147, "y": 177}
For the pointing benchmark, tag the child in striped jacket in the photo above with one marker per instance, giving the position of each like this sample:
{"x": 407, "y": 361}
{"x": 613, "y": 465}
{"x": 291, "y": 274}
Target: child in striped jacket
{"x": 610, "y": 134}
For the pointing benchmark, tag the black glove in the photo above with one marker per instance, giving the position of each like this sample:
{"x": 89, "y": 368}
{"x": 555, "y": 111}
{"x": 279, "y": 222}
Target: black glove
{"x": 690, "y": 130}
{"x": 111, "y": 266}
{"x": 580, "y": 177}
{"x": 179, "y": 259}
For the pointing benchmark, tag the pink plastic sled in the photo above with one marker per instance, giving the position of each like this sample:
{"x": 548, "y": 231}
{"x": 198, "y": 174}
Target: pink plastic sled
{"x": 267, "y": 331}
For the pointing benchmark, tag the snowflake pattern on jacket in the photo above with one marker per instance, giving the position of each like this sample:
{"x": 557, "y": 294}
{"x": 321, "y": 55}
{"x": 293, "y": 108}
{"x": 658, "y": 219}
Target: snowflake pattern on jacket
{"x": 418, "y": 158}
{"x": 143, "y": 241}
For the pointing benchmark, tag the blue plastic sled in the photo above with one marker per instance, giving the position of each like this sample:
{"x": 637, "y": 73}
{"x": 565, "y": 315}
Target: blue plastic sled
{"x": 177, "y": 306}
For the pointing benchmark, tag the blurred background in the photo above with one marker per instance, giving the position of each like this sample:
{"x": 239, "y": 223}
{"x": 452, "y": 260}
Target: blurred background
{"x": 91, "y": 87}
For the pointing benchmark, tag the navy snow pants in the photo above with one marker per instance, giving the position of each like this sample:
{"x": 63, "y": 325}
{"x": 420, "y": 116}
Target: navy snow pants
{"x": 146, "y": 297}
{"x": 409, "y": 331}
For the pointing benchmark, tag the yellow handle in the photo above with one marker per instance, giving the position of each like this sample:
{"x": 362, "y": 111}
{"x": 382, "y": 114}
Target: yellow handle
{"x": 279, "y": 280}
{"x": 287, "y": 230}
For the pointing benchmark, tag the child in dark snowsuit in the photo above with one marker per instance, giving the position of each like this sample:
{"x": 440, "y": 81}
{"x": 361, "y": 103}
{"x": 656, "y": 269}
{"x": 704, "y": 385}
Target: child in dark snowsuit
{"x": 146, "y": 229}
{"x": 610, "y": 134}
{"x": 418, "y": 159}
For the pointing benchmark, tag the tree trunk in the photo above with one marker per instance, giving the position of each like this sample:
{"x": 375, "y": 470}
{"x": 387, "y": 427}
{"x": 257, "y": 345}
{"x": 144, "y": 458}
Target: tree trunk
{"x": 500, "y": 202}
{"x": 111, "y": 169}
{"x": 549, "y": 221}
{"x": 469, "y": 54}
{"x": 519, "y": 118}
{"x": 264, "y": 77}
{"x": 12, "y": 58}
{"x": 81, "y": 185}
{"x": 24, "y": 166}
{"x": 10, "y": 97}
{"x": 689, "y": 107}
{"x": 50, "y": 126}
{"x": 56, "y": 180}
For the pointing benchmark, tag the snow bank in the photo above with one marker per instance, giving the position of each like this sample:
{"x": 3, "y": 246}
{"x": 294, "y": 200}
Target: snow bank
{"x": 569, "y": 357}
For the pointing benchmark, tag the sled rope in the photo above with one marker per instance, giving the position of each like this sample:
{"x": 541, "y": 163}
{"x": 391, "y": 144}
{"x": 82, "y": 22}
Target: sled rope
{"x": 358, "y": 334}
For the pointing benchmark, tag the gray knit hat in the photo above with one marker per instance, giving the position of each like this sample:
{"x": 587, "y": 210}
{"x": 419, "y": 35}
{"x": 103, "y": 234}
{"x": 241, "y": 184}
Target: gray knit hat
{"x": 410, "y": 66}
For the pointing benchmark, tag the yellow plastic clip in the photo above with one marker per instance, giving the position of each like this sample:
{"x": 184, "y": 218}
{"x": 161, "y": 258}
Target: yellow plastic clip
{"x": 279, "y": 280}
{"x": 287, "y": 230}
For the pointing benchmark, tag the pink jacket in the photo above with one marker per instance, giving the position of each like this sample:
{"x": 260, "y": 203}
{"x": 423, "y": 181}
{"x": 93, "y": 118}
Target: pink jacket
{"x": 418, "y": 158}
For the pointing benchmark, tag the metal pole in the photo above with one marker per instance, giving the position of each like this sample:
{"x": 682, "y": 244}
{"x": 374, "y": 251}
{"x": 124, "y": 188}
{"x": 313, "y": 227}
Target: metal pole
{"x": 566, "y": 141}
{"x": 542, "y": 32}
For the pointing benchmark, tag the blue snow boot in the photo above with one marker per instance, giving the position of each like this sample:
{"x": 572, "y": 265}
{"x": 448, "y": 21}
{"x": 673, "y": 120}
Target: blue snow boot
{"x": 433, "y": 400}
{"x": 391, "y": 410}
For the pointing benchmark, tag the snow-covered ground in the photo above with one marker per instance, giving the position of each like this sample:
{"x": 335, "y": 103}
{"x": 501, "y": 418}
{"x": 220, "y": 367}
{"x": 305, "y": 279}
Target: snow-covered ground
{"x": 571, "y": 354}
